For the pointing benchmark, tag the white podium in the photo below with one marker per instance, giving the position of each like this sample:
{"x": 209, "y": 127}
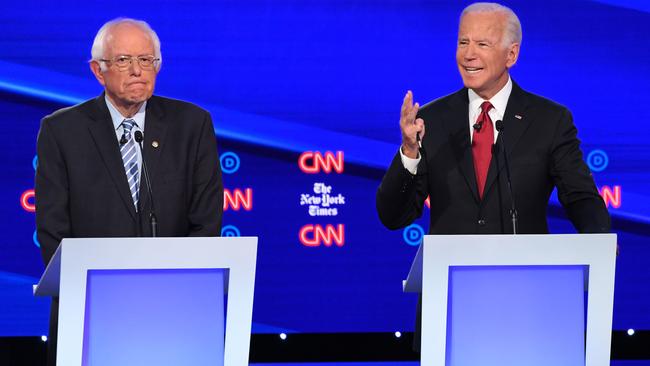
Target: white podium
{"x": 515, "y": 299}
{"x": 146, "y": 301}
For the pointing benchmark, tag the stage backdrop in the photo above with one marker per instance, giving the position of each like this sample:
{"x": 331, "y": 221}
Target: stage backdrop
{"x": 305, "y": 97}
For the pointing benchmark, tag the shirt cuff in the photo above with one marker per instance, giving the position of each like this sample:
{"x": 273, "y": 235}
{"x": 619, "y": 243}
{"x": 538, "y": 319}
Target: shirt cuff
{"x": 410, "y": 164}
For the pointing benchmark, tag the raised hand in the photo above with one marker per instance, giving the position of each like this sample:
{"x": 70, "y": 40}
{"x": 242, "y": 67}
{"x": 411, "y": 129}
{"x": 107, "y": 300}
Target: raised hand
{"x": 410, "y": 126}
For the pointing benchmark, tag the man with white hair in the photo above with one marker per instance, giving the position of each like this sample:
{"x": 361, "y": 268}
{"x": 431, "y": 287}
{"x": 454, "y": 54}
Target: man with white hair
{"x": 89, "y": 179}
{"x": 454, "y": 149}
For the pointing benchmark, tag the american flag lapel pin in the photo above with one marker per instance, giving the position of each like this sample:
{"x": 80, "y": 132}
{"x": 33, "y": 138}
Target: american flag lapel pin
{"x": 518, "y": 116}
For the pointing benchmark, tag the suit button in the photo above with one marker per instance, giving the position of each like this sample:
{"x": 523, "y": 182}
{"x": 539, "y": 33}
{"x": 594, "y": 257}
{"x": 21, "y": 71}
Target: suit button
{"x": 481, "y": 222}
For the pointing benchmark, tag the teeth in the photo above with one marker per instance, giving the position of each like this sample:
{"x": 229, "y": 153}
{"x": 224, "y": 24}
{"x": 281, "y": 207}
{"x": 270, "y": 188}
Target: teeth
{"x": 473, "y": 70}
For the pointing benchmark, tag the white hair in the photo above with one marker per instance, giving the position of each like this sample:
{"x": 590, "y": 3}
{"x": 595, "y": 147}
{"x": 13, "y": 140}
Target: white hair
{"x": 513, "y": 26}
{"x": 97, "y": 51}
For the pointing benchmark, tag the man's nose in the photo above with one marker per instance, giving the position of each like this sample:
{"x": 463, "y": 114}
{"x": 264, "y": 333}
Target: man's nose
{"x": 135, "y": 68}
{"x": 470, "y": 52}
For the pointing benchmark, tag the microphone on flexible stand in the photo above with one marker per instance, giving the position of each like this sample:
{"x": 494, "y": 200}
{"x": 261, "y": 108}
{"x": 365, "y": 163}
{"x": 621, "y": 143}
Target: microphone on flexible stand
{"x": 513, "y": 210}
{"x": 153, "y": 222}
{"x": 420, "y": 148}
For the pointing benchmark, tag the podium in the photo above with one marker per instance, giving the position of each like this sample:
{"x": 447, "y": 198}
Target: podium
{"x": 153, "y": 301}
{"x": 515, "y": 299}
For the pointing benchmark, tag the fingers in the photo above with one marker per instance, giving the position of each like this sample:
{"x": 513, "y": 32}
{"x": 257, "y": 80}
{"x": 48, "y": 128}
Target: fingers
{"x": 409, "y": 110}
{"x": 412, "y": 113}
{"x": 419, "y": 126}
{"x": 410, "y": 125}
{"x": 407, "y": 104}
{"x": 408, "y": 115}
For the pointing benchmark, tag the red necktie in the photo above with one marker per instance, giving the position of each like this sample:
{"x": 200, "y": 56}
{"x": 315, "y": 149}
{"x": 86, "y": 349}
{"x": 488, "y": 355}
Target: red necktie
{"x": 482, "y": 141}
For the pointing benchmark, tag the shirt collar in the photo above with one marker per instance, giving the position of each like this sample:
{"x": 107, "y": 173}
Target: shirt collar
{"x": 499, "y": 100}
{"x": 118, "y": 118}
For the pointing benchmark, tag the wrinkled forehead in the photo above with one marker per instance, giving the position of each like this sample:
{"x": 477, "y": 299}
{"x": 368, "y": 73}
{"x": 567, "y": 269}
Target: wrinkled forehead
{"x": 482, "y": 25}
{"x": 128, "y": 38}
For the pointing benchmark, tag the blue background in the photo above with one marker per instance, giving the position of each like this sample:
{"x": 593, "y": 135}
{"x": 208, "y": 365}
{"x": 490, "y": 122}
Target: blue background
{"x": 283, "y": 77}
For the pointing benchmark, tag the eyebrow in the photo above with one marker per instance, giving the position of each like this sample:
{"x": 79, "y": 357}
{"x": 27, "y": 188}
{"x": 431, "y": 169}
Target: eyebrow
{"x": 484, "y": 40}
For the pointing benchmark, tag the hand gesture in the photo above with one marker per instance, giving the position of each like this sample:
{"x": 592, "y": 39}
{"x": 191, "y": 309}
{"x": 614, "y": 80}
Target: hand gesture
{"x": 410, "y": 126}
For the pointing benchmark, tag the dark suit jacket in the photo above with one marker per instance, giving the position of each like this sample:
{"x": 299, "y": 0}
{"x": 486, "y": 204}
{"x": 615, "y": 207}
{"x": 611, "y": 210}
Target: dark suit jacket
{"x": 81, "y": 187}
{"x": 543, "y": 152}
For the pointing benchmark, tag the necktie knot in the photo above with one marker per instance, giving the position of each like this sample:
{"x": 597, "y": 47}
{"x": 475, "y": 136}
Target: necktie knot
{"x": 486, "y": 106}
{"x": 128, "y": 124}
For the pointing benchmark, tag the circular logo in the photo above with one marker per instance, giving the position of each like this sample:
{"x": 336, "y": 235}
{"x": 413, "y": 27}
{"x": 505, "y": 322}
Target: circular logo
{"x": 35, "y": 162}
{"x": 413, "y": 234}
{"x": 597, "y": 160}
{"x": 35, "y": 238}
{"x": 230, "y": 230}
{"x": 229, "y": 162}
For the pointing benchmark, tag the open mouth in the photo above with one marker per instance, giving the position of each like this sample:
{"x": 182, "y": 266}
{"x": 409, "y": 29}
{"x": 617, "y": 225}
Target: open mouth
{"x": 473, "y": 70}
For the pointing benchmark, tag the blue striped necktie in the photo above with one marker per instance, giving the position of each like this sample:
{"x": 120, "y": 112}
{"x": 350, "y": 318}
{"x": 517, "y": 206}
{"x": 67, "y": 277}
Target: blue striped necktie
{"x": 130, "y": 158}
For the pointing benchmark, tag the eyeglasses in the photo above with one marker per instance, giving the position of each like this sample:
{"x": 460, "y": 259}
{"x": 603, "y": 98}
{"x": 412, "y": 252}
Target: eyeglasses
{"x": 123, "y": 62}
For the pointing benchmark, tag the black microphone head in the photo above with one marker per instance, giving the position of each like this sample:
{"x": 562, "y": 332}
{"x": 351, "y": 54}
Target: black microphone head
{"x": 499, "y": 125}
{"x": 477, "y": 126}
{"x": 123, "y": 139}
{"x": 139, "y": 137}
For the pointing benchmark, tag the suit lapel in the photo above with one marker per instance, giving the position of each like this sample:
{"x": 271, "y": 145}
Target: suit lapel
{"x": 103, "y": 134}
{"x": 457, "y": 125}
{"x": 515, "y": 123}
{"x": 154, "y": 142}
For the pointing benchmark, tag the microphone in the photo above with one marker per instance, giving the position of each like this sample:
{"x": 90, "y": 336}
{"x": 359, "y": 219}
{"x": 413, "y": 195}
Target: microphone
{"x": 420, "y": 148}
{"x": 123, "y": 139}
{"x": 477, "y": 126}
{"x": 153, "y": 222}
{"x": 513, "y": 209}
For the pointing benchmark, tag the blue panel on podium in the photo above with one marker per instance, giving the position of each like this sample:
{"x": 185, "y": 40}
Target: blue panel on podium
{"x": 492, "y": 310}
{"x": 166, "y": 317}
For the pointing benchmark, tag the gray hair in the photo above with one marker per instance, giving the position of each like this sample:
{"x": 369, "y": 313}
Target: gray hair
{"x": 97, "y": 51}
{"x": 513, "y": 26}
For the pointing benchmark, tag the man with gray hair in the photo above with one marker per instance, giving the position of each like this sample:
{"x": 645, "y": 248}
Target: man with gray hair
{"x": 89, "y": 179}
{"x": 454, "y": 149}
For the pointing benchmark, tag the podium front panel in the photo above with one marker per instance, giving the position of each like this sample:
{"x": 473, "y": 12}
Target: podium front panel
{"x": 154, "y": 317}
{"x": 515, "y": 315}
{"x": 430, "y": 274}
{"x": 91, "y": 266}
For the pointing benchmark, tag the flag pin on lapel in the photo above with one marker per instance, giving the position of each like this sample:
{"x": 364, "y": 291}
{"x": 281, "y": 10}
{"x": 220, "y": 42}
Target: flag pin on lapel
{"x": 155, "y": 144}
{"x": 517, "y": 116}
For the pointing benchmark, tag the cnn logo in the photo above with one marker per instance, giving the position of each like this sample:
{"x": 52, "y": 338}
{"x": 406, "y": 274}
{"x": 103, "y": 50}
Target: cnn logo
{"x": 237, "y": 199}
{"x": 312, "y": 162}
{"x": 611, "y": 196}
{"x": 316, "y": 235}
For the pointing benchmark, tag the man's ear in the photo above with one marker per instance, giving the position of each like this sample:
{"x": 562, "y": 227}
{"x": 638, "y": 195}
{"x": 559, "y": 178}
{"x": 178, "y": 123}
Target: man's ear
{"x": 513, "y": 54}
{"x": 96, "y": 68}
